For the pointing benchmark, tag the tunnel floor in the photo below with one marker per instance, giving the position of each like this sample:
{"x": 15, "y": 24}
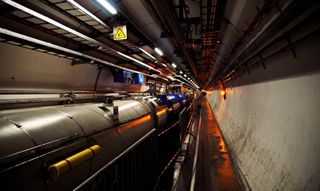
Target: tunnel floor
{"x": 214, "y": 169}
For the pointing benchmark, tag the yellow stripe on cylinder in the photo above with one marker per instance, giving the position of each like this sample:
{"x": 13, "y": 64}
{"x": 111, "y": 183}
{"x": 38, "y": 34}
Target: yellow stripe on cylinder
{"x": 61, "y": 167}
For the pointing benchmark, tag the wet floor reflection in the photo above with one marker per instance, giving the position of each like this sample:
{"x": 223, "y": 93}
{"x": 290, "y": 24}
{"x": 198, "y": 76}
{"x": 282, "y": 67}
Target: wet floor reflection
{"x": 224, "y": 177}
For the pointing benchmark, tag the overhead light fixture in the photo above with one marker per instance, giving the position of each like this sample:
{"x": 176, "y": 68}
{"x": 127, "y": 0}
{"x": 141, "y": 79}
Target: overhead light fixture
{"x": 85, "y": 11}
{"x": 66, "y": 50}
{"x": 170, "y": 77}
{"x": 174, "y": 65}
{"x": 181, "y": 72}
{"x": 164, "y": 65}
{"x": 158, "y": 51}
{"x": 188, "y": 82}
{"x": 147, "y": 53}
{"x": 185, "y": 75}
{"x": 188, "y": 78}
{"x": 105, "y": 4}
{"x": 53, "y": 22}
{"x": 223, "y": 93}
{"x": 49, "y": 20}
{"x": 137, "y": 61}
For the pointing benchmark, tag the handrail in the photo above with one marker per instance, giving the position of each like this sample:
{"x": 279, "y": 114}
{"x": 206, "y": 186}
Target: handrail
{"x": 190, "y": 123}
{"x": 172, "y": 126}
{"x": 166, "y": 167}
{"x": 93, "y": 176}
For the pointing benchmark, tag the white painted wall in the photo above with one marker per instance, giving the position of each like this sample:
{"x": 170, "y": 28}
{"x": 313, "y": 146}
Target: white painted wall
{"x": 271, "y": 121}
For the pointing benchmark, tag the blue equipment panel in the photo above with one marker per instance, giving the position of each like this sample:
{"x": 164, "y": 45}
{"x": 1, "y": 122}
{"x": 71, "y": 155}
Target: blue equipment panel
{"x": 138, "y": 79}
{"x": 122, "y": 76}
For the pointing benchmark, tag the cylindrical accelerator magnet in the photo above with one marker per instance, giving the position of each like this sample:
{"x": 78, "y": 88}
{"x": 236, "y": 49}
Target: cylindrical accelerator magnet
{"x": 63, "y": 166}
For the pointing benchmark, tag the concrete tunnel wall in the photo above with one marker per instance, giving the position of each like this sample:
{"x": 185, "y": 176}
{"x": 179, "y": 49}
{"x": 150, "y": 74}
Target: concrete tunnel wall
{"x": 23, "y": 68}
{"x": 271, "y": 120}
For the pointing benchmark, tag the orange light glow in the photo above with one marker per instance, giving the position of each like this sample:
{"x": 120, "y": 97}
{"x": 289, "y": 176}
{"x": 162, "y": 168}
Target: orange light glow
{"x": 225, "y": 174}
{"x": 161, "y": 112}
{"x": 222, "y": 92}
{"x": 207, "y": 91}
{"x": 176, "y": 105}
{"x": 229, "y": 91}
{"x": 135, "y": 123}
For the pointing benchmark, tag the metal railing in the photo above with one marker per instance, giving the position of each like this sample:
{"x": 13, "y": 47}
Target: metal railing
{"x": 191, "y": 112}
{"x": 101, "y": 170}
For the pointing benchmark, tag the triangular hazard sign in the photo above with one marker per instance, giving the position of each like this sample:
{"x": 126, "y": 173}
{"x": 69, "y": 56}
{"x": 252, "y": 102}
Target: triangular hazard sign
{"x": 120, "y": 34}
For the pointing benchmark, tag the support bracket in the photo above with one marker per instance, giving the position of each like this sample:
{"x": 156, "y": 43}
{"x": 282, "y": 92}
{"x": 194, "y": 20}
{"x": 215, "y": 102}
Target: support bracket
{"x": 262, "y": 61}
{"x": 293, "y": 51}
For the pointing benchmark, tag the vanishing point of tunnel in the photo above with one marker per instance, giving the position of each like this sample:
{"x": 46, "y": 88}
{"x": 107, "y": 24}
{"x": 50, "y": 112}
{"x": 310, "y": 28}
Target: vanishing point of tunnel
{"x": 159, "y": 95}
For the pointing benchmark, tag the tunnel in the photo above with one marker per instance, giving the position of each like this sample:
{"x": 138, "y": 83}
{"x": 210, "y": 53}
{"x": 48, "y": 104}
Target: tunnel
{"x": 160, "y": 95}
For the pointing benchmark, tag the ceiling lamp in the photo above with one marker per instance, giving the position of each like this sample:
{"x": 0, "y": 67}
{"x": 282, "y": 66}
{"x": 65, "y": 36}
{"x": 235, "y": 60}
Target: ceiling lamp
{"x": 138, "y": 62}
{"x": 158, "y": 51}
{"x": 147, "y": 53}
{"x": 181, "y": 72}
{"x": 105, "y": 4}
{"x": 174, "y": 65}
{"x": 88, "y": 13}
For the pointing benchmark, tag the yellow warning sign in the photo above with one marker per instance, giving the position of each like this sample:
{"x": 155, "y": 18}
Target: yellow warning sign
{"x": 120, "y": 32}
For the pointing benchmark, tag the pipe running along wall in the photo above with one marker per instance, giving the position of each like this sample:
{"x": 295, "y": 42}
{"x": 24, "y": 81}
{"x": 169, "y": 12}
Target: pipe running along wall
{"x": 270, "y": 118}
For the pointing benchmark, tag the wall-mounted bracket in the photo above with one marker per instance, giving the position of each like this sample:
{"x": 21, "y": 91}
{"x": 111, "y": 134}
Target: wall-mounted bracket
{"x": 72, "y": 97}
{"x": 248, "y": 69}
{"x": 262, "y": 61}
{"x": 75, "y": 62}
{"x": 293, "y": 51}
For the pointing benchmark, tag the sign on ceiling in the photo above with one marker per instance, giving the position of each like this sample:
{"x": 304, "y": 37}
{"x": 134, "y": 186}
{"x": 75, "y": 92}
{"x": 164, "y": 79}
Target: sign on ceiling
{"x": 120, "y": 32}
